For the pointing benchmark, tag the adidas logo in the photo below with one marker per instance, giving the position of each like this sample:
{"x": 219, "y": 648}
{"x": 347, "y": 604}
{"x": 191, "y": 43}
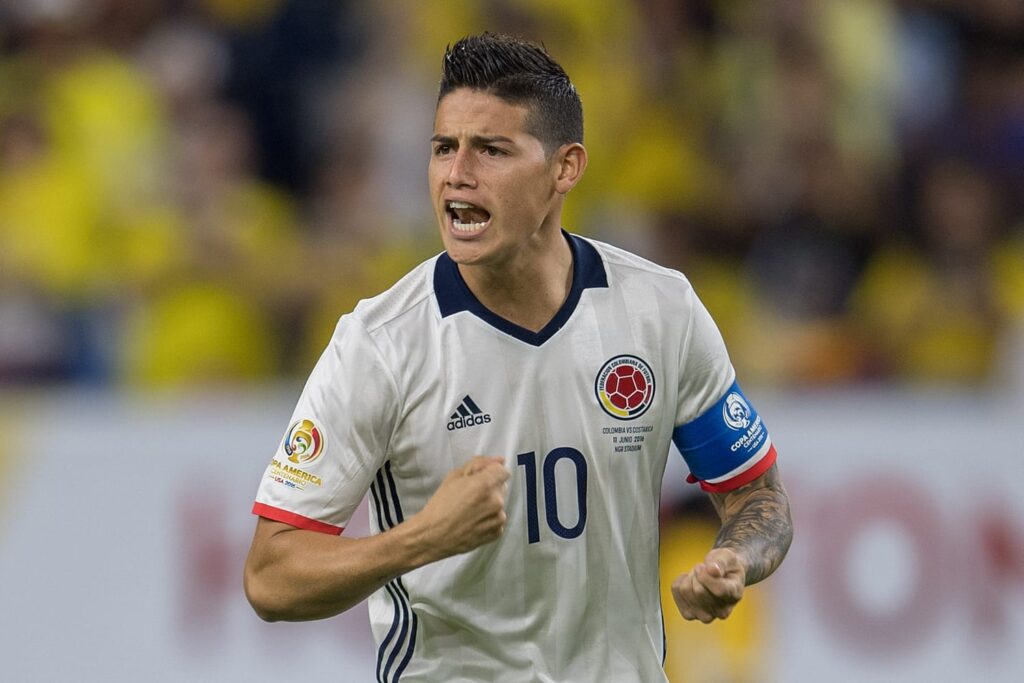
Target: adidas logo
{"x": 467, "y": 414}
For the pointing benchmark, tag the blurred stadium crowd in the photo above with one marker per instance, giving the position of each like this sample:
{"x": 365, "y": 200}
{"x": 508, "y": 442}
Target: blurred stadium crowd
{"x": 192, "y": 191}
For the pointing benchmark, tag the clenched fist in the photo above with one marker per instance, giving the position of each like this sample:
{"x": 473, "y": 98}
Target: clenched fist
{"x": 468, "y": 508}
{"x": 711, "y": 589}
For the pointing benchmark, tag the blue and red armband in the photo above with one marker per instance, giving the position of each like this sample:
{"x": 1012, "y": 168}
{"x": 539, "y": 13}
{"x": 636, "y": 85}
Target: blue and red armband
{"x": 727, "y": 446}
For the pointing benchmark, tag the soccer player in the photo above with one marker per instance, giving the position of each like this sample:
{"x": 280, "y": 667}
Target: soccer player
{"x": 510, "y": 405}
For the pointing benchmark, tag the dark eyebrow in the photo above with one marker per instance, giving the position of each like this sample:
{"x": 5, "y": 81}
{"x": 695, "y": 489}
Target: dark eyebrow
{"x": 477, "y": 140}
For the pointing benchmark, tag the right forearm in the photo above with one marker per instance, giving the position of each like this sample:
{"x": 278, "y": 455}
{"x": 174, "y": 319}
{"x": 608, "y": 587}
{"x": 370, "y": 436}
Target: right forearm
{"x": 297, "y": 575}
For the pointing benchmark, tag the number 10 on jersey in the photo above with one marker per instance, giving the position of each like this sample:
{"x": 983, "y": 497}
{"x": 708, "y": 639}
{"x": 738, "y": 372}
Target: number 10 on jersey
{"x": 528, "y": 461}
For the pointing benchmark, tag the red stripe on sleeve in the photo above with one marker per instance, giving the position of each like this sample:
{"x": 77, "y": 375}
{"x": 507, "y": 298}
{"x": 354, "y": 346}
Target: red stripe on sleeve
{"x": 743, "y": 478}
{"x": 279, "y": 515}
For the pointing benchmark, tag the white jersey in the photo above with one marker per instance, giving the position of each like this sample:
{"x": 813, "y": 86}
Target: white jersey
{"x": 420, "y": 379}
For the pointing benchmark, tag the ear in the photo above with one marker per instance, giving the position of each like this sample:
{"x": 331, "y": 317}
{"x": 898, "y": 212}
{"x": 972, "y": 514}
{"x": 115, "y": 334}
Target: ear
{"x": 570, "y": 162}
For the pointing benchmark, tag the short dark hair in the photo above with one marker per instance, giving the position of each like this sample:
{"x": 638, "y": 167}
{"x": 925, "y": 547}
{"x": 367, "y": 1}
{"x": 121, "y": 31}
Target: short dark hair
{"x": 522, "y": 73}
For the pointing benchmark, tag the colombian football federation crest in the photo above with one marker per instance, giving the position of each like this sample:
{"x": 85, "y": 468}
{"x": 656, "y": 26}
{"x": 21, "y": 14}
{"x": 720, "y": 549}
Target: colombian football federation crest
{"x": 625, "y": 387}
{"x": 304, "y": 442}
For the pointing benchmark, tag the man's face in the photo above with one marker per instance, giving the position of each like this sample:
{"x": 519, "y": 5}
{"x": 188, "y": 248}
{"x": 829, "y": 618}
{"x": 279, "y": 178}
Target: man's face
{"x": 492, "y": 185}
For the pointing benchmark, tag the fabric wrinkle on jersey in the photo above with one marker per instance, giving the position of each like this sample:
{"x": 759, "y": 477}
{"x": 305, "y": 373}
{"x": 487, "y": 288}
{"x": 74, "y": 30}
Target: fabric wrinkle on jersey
{"x": 584, "y": 411}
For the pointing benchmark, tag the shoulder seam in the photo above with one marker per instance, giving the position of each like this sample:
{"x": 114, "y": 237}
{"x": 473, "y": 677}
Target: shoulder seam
{"x": 380, "y": 321}
{"x": 397, "y": 314}
{"x": 620, "y": 258}
{"x": 391, "y": 378}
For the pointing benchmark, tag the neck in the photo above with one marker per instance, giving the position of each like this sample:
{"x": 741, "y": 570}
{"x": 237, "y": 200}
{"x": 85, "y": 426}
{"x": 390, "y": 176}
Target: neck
{"x": 530, "y": 290}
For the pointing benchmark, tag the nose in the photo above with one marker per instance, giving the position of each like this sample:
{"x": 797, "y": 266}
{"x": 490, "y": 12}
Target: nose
{"x": 460, "y": 173}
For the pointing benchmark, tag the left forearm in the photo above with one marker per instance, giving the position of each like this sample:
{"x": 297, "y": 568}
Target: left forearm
{"x": 756, "y": 525}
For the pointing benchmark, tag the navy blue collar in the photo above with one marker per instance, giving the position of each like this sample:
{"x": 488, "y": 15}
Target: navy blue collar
{"x": 453, "y": 295}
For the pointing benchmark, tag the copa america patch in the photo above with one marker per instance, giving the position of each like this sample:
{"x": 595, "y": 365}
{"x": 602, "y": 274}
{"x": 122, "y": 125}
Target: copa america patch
{"x": 625, "y": 387}
{"x": 304, "y": 442}
{"x": 736, "y": 411}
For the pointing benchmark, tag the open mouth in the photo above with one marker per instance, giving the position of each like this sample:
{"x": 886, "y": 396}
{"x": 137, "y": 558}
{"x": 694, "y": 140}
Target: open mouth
{"x": 466, "y": 217}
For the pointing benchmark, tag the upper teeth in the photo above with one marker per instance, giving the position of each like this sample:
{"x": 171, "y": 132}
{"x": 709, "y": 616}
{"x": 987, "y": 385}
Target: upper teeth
{"x": 460, "y": 205}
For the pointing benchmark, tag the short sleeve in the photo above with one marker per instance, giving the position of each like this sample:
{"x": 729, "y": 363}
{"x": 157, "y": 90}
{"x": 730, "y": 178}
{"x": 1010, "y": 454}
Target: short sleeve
{"x": 337, "y": 437}
{"x": 718, "y": 432}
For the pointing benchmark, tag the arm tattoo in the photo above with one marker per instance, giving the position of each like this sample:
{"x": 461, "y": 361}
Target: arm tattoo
{"x": 756, "y": 523}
